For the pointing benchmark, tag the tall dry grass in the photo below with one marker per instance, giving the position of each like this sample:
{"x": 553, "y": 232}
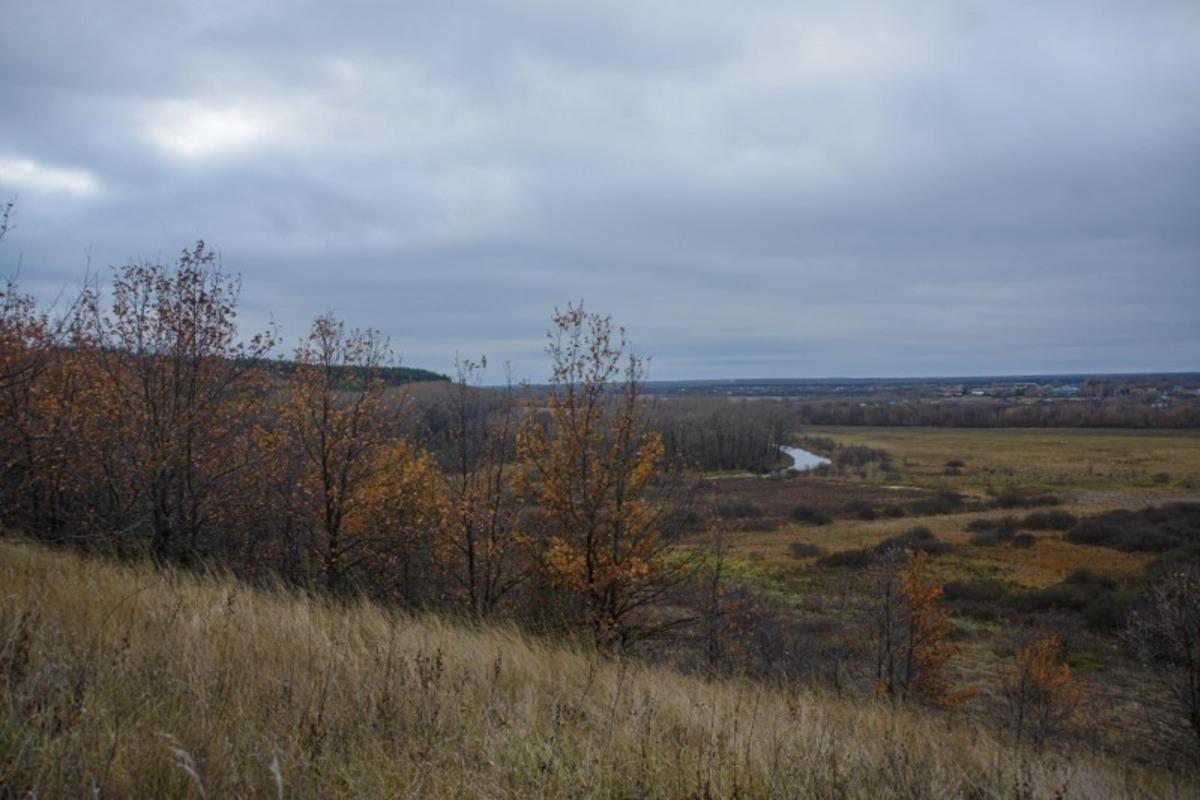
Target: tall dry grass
{"x": 124, "y": 681}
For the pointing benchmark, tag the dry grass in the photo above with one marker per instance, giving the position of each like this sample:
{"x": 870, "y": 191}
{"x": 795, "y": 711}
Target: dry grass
{"x": 124, "y": 681}
{"x": 1050, "y": 458}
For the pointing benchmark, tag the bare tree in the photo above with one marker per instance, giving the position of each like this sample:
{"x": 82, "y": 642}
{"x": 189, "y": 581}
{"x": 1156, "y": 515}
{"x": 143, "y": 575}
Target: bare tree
{"x": 1165, "y": 634}
{"x": 478, "y": 545}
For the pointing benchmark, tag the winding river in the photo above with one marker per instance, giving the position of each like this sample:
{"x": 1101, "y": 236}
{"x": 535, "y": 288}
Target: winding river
{"x": 802, "y": 459}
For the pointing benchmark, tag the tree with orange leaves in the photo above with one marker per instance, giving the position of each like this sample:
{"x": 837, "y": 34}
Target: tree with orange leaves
{"x": 912, "y": 627}
{"x": 590, "y": 466}
{"x": 1040, "y": 692}
{"x": 175, "y": 388}
{"x": 363, "y": 498}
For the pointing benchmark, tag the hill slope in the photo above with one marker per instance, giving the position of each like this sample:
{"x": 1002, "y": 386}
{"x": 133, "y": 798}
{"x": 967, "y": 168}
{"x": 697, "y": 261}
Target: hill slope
{"x": 128, "y": 681}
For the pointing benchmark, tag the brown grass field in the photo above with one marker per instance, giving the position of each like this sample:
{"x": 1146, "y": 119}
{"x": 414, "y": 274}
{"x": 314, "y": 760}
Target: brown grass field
{"x": 124, "y": 681}
{"x": 1050, "y": 458}
{"x": 1090, "y": 471}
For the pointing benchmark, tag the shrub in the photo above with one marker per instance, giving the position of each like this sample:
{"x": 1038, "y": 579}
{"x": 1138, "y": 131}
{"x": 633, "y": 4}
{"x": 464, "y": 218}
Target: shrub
{"x": 805, "y": 550}
{"x": 992, "y": 538}
{"x": 739, "y": 511}
{"x": 941, "y": 502}
{"x": 1094, "y": 596}
{"x": 920, "y": 539}
{"x": 861, "y": 509}
{"x": 893, "y": 511}
{"x": 1024, "y": 540}
{"x": 993, "y": 531}
{"x": 1014, "y": 499}
{"x": 1161, "y": 477}
{"x": 1039, "y": 691}
{"x": 857, "y": 456}
{"x": 810, "y": 515}
{"x": 848, "y": 558}
{"x": 985, "y": 524}
{"x": 976, "y": 591}
{"x": 1052, "y": 520}
{"x": 1155, "y": 529}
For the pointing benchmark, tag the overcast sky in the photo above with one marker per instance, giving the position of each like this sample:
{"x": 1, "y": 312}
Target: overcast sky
{"x": 752, "y": 189}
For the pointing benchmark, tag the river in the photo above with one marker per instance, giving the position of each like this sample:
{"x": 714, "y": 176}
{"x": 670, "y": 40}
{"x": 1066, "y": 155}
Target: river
{"x": 802, "y": 459}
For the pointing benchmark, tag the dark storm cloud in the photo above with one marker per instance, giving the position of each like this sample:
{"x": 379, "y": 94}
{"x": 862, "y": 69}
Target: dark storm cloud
{"x": 769, "y": 189}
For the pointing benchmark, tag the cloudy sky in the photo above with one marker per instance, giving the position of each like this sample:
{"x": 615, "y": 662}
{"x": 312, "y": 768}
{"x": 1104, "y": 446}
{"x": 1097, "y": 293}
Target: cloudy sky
{"x": 752, "y": 189}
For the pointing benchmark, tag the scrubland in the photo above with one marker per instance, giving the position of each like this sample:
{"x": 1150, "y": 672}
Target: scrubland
{"x": 123, "y": 680}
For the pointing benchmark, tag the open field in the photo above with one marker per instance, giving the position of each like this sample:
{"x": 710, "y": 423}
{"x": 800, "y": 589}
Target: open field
{"x": 124, "y": 681}
{"x": 1049, "y": 458}
{"x": 1086, "y": 472}
{"x": 1081, "y": 462}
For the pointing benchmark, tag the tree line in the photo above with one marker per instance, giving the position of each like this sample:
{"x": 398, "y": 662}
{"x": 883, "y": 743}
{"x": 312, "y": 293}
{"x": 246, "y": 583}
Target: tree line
{"x": 1106, "y": 412}
{"x": 141, "y": 421}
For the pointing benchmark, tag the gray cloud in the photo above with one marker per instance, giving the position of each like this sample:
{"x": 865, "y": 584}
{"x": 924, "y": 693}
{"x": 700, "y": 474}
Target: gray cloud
{"x": 773, "y": 189}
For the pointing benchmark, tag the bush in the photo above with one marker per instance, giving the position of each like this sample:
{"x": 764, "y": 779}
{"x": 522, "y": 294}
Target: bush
{"x": 858, "y": 456}
{"x": 739, "y": 511}
{"x": 861, "y": 509}
{"x": 893, "y": 511}
{"x": 941, "y": 502}
{"x": 918, "y": 538}
{"x": 984, "y": 599}
{"x": 1154, "y": 530}
{"x": 954, "y": 467}
{"x": 975, "y": 591}
{"x": 1014, "y": 499}
{"x": 987, "y": 524}
{"x": 992, "y": 531}
{"x": 805, "y": 550}
{"x": 1024, "y": 540}
{"x": 1095, "y": 597}
{"x": 848, "y": 558}
{"x": 809, "y": 515}
{"x": 1053, "y": 520}
{"x": 1161, "y": 477}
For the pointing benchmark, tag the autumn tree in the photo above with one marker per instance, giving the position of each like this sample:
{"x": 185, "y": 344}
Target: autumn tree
{"x": 912, "y": 628}
{"x": 1165, "y": 635}
{"x": 44, "y": 383}
{"x": 25, "y": 332}
{"x": 1039, "y": 691}
{"x": 358, "y": 484}
{"x": 176, "y": 394}
{"x": 26, "y": 348}
{"x": 479, "y": 543}
{"x": 590, "y": 467}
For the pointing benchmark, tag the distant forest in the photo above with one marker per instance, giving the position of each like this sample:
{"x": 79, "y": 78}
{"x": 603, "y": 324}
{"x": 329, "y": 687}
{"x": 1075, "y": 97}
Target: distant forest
{"x": 388, "y": 375}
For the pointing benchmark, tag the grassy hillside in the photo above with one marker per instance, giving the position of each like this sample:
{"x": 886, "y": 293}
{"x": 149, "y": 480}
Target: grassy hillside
{"x": 125, "y": 681}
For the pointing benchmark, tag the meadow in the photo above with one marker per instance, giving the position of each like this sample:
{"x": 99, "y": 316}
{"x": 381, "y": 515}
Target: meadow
{"x": 1154, "y": 461}
{"x": 999, "y": 594}
{"x": 127, "y": 680}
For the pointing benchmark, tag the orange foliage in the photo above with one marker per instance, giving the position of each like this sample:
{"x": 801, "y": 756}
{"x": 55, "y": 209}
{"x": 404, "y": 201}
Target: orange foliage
{"x": 925, "y": 650}
{"x": 1040, "y": 690}
{"x": 589, "y": 466}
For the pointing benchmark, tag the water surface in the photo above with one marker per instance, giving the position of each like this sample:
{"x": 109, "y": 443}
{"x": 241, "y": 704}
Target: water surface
{"x": 802, "y": 459}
